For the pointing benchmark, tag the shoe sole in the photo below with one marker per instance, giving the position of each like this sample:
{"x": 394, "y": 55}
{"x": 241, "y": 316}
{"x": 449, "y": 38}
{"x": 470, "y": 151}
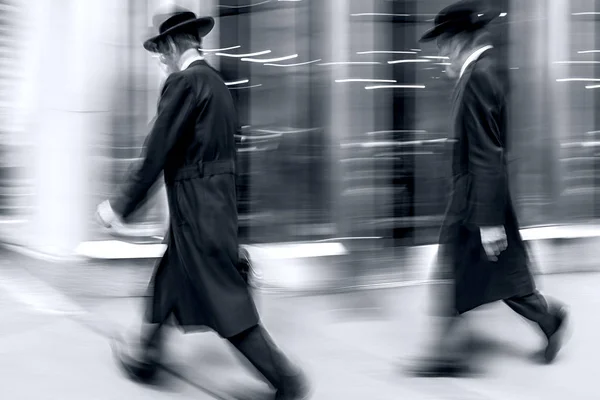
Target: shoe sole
{"x": 556, "y": 341}
{"x": 307, "y": 391}
{"x": 121, "y": 358}
{"x": 305, "y": 396}
{"x": 446, "y": 373}
{"x": 442, "y": 371}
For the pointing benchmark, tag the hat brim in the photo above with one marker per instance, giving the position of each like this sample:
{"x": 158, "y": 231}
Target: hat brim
{"x": 203, "y": 26}
{"x": 433, "y": 33}
{"x": 440, "y": 29}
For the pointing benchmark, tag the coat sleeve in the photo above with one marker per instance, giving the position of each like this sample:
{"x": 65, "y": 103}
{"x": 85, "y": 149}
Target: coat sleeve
{"x": 176, "y": 103}
{"x": 489, "y": 185}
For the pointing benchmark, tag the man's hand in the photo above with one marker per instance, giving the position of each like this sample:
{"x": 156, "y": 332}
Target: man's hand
{"x": 107, "y": 217}
{"x": 105, "y": 214}
{"x": 493, "y": 240}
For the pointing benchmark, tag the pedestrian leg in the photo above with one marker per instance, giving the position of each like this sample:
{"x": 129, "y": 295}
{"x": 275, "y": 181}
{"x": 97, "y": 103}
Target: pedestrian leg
{"x": 139, "y": 360}
{"x": 550, "y": 319}
{"x": 257, "y": 346}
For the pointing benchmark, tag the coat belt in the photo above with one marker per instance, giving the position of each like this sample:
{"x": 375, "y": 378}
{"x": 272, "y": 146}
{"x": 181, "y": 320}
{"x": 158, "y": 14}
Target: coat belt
{"x": 200, "y": 170}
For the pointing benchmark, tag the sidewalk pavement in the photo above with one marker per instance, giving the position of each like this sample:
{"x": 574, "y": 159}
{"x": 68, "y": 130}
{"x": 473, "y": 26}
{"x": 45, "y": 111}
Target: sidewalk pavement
{"x": 300, "y": 268}
{"x": 120, "y": 268}
{"x": 47, "y": 353}
{"x": 369, "y": 262}
{"x": 351, "y": 344}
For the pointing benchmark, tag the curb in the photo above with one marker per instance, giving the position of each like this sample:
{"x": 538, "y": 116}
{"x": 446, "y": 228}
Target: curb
{"x": 311, "y": 268}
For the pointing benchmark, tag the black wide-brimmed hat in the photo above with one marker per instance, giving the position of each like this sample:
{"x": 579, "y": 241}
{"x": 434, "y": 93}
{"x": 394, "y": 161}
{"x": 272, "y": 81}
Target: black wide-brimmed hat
{"x": 467, "y": 15}
{"x": 176, "y": 19}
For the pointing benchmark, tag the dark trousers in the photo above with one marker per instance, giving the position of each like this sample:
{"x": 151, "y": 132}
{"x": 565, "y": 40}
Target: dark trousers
{"x": 254, "y": 344}
{"x": 532, "y": 307}
{"x": 257, "y": 346}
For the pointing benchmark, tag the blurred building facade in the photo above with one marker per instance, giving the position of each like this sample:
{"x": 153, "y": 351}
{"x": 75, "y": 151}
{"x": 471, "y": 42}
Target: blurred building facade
{"x": 344, "y": 116}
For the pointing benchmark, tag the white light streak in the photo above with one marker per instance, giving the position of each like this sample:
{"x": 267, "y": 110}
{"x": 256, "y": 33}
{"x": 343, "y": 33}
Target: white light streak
{"x": 245, "y": 87}
{"x": 408, "y": 61}
{"x": 250, "y": 138}
{"x": 349, "y": 238}
{"x": 386, "y": 52}
{"x": 351, "y": 63}
{"x": 269, "y": 60}
{"x": 248, "y": 5}
{"x": 576, "y": 62}
{"x": 395, "y": 87}
{"x": 437, "y": 57}
{"x": 13, "y": 221}
{"x": 292, "y": 65}
{"x": 223, "y": 49}
{"x": 395, "y": 131}
{"x": 237, "y": 82}
{"x": 366, "y": 80}
{"x": 259, "y": 53}
{"x": 588, "y": 51}
{"x": 290, "y": 131}
{"x": 248, "y": 149}
{"x": 578, "y": 80}
{"x": 379, "y": 15}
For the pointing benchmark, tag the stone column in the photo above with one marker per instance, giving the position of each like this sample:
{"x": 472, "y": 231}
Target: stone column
{"x": 337, "y": 47}
{"x": 212, "y": 41}
{"x": 594, "y": 26}
{"x": 560, "y": 49}
{"x": 528, "y": 108}
{"x": 71, "y": 75}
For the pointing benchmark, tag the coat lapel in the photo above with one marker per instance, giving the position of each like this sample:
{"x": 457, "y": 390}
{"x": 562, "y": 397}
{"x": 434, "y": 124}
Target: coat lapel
{"x": 459, "y": 88}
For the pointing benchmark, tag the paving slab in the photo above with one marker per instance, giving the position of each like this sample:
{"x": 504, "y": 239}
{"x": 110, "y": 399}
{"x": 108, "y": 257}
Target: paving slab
{"x": 64, "y": 361}
{"x": 353, "y": 345}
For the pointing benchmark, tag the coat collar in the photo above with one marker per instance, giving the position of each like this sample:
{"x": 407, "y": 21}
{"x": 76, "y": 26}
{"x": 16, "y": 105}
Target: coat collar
{"x": 474, "y": 57}
{"x": 190, "y": 61}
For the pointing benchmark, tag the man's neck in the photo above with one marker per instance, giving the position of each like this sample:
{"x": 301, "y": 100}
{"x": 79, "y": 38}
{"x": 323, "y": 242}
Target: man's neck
{"x": 188, "y": 57}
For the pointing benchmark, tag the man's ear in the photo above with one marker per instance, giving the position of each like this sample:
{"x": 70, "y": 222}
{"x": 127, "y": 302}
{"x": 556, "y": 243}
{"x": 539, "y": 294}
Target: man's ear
{"x": 463, "y": 40}
{"x": 172, "y": 45}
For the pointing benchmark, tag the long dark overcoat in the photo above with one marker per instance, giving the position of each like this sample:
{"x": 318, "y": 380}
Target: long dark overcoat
{"x": 480, "y": 195}
{"x": 192, "y": 141}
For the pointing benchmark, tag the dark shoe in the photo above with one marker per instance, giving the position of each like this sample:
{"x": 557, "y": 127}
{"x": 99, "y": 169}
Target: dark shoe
{"x": 142, "y": 369}
{"x": 439, "y": 369}
{"x": 294, "y": 388}
{"x": 556, "y": 340}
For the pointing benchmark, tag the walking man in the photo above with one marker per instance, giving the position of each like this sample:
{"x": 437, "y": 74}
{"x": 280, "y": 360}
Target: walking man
{"x": 481, "y": 249}
{"x": 192, "y": 142}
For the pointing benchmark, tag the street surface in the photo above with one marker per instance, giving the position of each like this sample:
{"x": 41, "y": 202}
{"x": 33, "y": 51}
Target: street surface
{"x": 54, "y": 345}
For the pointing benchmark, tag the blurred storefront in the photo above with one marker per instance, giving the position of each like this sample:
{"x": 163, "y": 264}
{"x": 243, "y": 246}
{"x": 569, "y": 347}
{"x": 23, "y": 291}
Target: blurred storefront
{"x": 343, "y": 115}
{"x": 15, "y": 187}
